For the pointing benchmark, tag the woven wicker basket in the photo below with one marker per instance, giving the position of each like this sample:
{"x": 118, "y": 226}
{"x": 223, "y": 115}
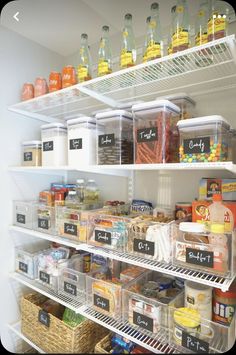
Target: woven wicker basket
{"x": 58, "y": 337}
{"x": 104, "y": 345}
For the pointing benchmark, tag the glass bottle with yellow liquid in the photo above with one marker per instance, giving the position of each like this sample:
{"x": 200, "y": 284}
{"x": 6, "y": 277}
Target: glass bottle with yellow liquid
{"x": 104, "y": 53}
{"x": 146, "y": 39}
{"x": 203, "y": 57}
{"x": 218, "y": 23}
{"x": 169, "y": 44}
{"x": 154, "y": 43}
{"x": 84, "y": 71}
{"x": 181, "y": 35}
{"x": 128, "y": 50}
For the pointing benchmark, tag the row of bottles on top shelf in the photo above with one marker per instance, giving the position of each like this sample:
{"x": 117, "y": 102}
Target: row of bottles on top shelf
{"x": 146, "y": 133}
{"x": 212, "y": 23}
{"x": 203, "y": 240}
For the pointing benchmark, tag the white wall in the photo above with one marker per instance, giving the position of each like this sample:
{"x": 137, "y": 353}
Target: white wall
{"x": 20, "y": 60}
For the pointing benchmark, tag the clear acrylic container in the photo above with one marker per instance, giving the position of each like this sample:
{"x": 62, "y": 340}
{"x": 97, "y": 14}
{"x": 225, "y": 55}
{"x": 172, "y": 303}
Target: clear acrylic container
{"x": 44, "y": 218}
{"x": 196, "y": 249}
{"x": 150, "y": 313}
{"x": 204, "y": 139}
{"x": 72, "y": 280}
{"x": 72, "y": 223}
{"x": 155, "y": 132}
{"x": 114, "y": 137}
{"x": 232, "y": 150}
{"x": 194, "y": 334}
{"x": 81, "y": 141}
{"x": 184, "y": 102}
{"x": 108, "y": 231}
{"x": 32, "y": 153}
{"x": 26, "y": 259}
{"x": 104, "y": 295}
{"x": 51, "y": 262}
{"x": 150, "y": 240}
{"x": 23, "y": 213}
{"x": 54, "y": 144}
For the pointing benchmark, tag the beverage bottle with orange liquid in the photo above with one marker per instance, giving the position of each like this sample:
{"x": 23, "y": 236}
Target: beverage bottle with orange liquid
{"x": 128, "y": 50}
{"x": 84, "y": 71}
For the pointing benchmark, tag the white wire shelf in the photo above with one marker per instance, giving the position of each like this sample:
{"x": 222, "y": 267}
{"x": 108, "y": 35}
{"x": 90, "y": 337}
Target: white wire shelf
{"x": 167, "y": 75}
{"x": 156, "y": 344}
{"x": 168, "y": 269}
{"x": 124, "y": 170}
{"x": 16, "y": 328}
{"x": 199, "y": 277}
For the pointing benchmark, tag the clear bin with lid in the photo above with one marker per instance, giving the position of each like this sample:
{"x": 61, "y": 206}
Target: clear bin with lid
{"x": 23, "y": 213}
{"x": 155, "y": 132}
{"x": 54, "y": 144}
{"x": 32, "y": 153}
{"x": 81, "y": 141}
{"x": 197, "y": 249}
{"x": 184, "y": 102}
{"x": 204, "y": 139}
{"x": 114, "y": 137}
{"x": 44, "y": 218}
{"x": 26, "y": 258}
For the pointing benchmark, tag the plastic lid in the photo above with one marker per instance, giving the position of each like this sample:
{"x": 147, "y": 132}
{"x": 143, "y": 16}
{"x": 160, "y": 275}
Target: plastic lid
{"x": 114, "y": 113}
{"x": 204, "y": 120}
{"x": 216, "y": 197}
{"x": 187, "y": 317}
{"x": 217, "y": 228}
{"x": 197, "y": 286}
{"x": 178, "y": 96}
{"x": 156, "y": 104}
{"x": 53, "y": 125}
{"x": 231, "y": 293}
{"x": 82, "y": 119}
{"x": 129, "y": 104}
{"x": 192, "y": 227}
{"x": 32, "y": 143}
{"x": 72, "y": 192}
{"x": 80, "y": 181}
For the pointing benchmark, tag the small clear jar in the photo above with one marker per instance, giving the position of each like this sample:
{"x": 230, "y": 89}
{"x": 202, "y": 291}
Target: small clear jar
{"x": 32, "y": 153}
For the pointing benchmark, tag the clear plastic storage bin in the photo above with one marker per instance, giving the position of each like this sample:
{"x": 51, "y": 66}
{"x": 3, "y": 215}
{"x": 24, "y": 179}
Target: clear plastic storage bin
{"x": 26, "y": 259}
{"x": 108, "y": 231}
{"x": 204, "y": 139}
{"x": 54, "y": 143}
{"x": 196, "y": 249}
{"x": 51, "y": 262}
{"x": 194, "y": 334}
{"x": 72, "y": 280}
{"x": 32, "y": 153}
{"x": 150, "y": 240}
{"x": 155, "y": 132}
{"x": 23, "y": 213}
{"x": 44, "y": 219}
{"x": 81, "y": 141}
{"x": 184, "y": 102}
{"x": 72, "y": 223}
{"x": 147, "y": 307}
{"x": 114, "y": 137}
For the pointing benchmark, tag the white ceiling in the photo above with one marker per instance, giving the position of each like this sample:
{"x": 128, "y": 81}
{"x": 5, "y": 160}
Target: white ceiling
{"x": 57, "y": 24}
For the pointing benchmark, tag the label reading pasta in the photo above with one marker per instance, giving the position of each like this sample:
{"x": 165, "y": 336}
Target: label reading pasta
{"x": 194, "y": 344}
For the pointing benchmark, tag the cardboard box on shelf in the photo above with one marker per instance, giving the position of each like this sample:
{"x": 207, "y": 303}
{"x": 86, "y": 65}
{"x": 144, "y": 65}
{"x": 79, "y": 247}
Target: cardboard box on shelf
{"x": 210, "y": 186}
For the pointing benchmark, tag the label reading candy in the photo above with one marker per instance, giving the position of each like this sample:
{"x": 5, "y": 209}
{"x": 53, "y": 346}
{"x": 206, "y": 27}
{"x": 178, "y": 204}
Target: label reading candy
{"x": 197, "y": 145}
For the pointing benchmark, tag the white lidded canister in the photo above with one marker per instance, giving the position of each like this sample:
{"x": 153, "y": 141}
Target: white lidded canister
{"x": 81, "y": 141}
{"x": 54, "y": 144}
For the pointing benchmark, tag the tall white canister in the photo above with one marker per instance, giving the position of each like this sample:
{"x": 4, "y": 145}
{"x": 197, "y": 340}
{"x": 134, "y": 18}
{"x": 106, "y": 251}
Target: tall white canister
{"x": 54, "y": 144}
{"x": 81, "y": 141}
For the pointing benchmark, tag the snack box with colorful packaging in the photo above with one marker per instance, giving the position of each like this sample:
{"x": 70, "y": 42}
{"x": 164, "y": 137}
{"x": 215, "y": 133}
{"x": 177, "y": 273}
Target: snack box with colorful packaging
{"x": 210, "y": 186}
{"x": 198, "y": 249}
{"x": 146, "y": 307}
{"x": 104, "y": 293}
{"x": 200, "y": 213}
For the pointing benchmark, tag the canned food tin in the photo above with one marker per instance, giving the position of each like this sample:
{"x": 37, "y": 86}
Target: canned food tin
{"x": 183, "y": 210}
{"x": 185, "y": 320}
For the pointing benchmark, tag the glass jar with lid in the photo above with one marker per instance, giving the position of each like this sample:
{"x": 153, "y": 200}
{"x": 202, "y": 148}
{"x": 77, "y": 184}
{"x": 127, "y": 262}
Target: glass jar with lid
{"x": 54, "y": 142}
{"x": 32, "y": 153}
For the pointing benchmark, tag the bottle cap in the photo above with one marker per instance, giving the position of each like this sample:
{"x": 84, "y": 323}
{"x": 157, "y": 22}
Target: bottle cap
{"x": 128, "y": 17}
{"x": 217, "y": 228}
{"x": 217, "y": 197}
{"x": 192, "y": 227}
